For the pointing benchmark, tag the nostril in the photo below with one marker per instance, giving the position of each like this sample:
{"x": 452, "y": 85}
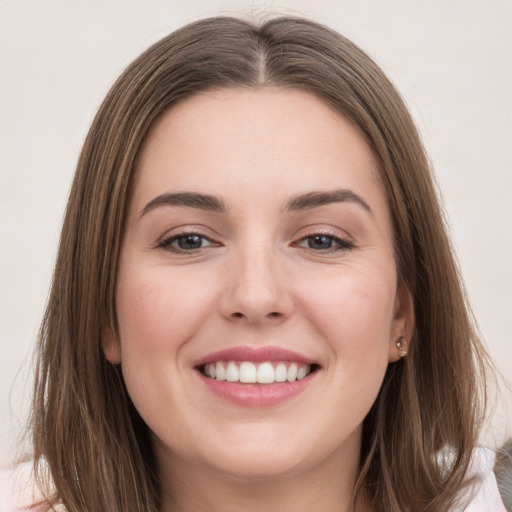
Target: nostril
{"x": 238, "y": 314}
{"x": 274, "y": 314}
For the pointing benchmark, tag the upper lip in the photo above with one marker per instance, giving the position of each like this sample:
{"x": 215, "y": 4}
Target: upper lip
{"x": 256, "y": 355}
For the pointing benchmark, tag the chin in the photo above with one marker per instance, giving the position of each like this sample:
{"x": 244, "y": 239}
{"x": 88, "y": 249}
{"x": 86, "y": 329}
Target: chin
{"x": 259, "y": 465}
{"x": 258, "y": 453}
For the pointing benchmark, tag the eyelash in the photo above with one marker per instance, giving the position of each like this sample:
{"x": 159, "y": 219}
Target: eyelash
{"x": 341, "y": 244}
{"x": 166, "y": 243}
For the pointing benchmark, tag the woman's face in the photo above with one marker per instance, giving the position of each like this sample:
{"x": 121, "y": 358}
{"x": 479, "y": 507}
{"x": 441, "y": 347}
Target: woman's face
{"x": 258, "y": 247}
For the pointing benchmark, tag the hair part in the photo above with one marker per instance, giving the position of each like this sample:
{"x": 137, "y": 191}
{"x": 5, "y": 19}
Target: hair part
{"x": 85, "y": 428}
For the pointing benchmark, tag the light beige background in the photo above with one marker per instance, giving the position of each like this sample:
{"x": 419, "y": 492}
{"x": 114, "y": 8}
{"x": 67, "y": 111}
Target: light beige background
{"x": 451, "y": 59}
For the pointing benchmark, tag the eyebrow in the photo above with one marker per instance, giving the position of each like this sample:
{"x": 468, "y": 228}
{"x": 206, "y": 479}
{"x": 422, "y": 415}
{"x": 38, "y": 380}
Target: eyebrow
{"x": 187, "y": 199}
{"x": 315, "y": 199}
{"x": 214, "y": 204}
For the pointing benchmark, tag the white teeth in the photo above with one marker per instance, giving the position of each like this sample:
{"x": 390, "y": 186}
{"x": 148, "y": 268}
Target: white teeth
{"x": 265, "y": 373}
{"x": 302, "y": 372}
{"x": 291, "y": 374}
{"x": 280, "y": 373}
{"x": 220, "y": 372}
{"x": 232, "y": 373}
{"x": 248, "y": 372}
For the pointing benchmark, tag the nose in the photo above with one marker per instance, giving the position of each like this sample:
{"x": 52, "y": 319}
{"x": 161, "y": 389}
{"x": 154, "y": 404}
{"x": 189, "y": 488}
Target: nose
{"x": 256, "y": 290}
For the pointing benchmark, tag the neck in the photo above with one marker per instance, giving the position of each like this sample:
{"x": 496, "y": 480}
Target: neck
{"x": 325, "y": 487}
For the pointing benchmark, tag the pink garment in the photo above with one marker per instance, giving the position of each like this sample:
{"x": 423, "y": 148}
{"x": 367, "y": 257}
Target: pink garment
{"x": 17, "y": 489}
{"x": 17, "y": 492}
{"x": 485, "y": 496}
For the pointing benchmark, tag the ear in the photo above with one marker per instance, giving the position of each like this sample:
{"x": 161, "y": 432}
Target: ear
{"x": 110, "y": 343}
{"x": 403, "y": 324}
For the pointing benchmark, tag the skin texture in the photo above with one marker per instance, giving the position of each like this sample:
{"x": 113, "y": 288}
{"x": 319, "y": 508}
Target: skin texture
{"x": 256, "y": 282}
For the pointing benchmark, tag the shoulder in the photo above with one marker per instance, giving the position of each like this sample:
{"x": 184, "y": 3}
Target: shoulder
{"x": 482, "y": 495}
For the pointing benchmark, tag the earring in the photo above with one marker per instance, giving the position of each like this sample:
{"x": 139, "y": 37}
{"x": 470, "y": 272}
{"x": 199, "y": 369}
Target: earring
{"x": 401, "y": 345}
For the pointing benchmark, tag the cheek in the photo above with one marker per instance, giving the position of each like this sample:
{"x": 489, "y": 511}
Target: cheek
{"x": 352, "y": 316}
{"x": 159, "y": 310}
{"x": 356, "y": 324}
{"x": 353, "y": 311}
{"x": 158, "y": 313}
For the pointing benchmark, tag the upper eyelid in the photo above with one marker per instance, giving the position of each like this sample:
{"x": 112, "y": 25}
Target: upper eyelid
{"x": 313, "y": 230}
{"x": 190, "y": 230}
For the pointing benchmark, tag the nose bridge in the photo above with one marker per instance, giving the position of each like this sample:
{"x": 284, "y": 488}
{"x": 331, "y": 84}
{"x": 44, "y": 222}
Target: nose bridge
{"x": 256, "y": 289}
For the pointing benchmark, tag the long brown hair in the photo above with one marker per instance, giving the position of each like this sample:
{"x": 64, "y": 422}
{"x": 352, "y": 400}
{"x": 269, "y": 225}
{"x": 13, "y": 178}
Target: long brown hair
{"x": 86, "y": 431}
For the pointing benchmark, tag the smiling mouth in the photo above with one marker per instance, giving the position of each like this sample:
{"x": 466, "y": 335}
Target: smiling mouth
{"x": 265, "y": 372}
{"x": 257, "y": 377}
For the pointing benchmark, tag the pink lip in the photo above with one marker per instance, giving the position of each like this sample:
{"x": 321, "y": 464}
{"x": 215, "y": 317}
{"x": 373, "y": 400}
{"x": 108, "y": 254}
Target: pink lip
{"x": 256, "y": 395}
{"x": 256, "y": 355}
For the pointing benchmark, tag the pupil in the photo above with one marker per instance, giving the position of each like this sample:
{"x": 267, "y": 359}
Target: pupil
{"x": 190, "y": 242}
{"x": 320, "y": 242}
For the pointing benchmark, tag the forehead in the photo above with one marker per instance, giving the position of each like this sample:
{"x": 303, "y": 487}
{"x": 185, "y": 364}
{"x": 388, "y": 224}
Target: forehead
{"x": 254, "y": 137}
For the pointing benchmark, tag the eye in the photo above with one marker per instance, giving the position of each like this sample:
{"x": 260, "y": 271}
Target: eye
{"x": 320, "y": 242}
{"x": 185, "y": 242}
{"x": 324, "y": 242}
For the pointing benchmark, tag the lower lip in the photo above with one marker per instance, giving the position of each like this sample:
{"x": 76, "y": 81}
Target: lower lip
{"x": 257, "y": 395}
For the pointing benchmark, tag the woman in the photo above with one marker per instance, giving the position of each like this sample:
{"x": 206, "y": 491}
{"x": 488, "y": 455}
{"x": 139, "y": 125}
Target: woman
{"x": 255, "y": 303}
